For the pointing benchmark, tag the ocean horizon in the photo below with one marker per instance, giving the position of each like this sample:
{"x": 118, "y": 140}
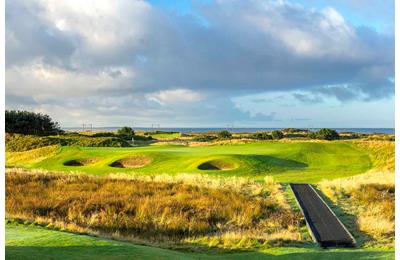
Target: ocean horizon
{"x": 233, "y": 130}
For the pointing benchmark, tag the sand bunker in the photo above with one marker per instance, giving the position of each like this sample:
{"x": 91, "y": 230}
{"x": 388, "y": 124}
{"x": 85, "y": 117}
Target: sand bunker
{"x": 81, "y": 162}
{"x": 132, "y": 162}
{"x": 217, "y": 165}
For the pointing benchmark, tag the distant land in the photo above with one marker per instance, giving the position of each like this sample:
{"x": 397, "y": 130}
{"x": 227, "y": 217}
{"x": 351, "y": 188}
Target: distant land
{"x": 234, "y": 130}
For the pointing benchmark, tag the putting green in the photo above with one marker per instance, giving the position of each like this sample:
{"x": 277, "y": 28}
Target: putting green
{"x": 285, "y": 161}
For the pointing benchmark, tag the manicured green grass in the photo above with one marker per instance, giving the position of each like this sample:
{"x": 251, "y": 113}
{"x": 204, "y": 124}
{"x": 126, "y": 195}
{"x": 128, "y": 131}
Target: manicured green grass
{"x": 165, "y": 135}
{"x": 286, "y": 161}
{"x": 33, "y": 242}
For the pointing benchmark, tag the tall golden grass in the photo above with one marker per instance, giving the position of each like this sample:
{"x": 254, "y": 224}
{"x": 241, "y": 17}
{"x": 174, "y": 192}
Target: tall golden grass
{"x": 154, "y": 209}
{"x": 381, "y": 153}
{"x": 371, "y": 199}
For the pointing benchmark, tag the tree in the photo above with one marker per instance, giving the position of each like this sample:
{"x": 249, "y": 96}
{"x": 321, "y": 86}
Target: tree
{"x": 224, "y": 134}
{"x": 25, "y": 122}
{"x": 327, "y": 134}
{"x": 276, "y": 134}
{"x": 126, "y": 132}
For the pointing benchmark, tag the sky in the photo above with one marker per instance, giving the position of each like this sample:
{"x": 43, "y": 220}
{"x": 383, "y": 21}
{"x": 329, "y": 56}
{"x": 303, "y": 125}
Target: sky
{"x": 188, "y": 63}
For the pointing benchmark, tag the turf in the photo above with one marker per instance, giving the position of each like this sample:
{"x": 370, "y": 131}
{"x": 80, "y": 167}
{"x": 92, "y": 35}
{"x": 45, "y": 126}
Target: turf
{"x": 34, "y": 242}
{"x": 307, "y": 162}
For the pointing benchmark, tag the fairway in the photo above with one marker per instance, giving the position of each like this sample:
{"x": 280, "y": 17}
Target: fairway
{"x": 286, "y": 161}
{"x": 34, "y": 242}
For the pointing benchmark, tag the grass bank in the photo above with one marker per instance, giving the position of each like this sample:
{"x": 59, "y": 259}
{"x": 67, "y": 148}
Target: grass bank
{"x": 286, "y": 161}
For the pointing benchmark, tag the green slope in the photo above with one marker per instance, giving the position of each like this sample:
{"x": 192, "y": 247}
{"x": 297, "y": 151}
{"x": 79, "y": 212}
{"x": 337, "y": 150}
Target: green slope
{"x": 286, "y": 161}
{"x": 33, "y": 242}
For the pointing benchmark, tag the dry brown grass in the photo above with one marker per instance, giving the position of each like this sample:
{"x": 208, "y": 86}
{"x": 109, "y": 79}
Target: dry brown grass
{"x": 370, "y": 198}
{"x": 132, "y": 162}
{"x": 154, "y": 208}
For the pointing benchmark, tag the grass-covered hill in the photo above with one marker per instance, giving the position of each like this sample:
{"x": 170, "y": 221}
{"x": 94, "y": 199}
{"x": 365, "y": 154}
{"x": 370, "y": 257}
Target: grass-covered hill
{"x": 295, "y": 161}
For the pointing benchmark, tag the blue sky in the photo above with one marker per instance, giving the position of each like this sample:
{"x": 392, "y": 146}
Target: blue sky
{"x": 375, "y": 14}
{"x": 254, "y": 63}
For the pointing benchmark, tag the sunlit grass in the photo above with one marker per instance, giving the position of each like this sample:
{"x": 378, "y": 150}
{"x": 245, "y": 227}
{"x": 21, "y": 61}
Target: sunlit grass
{"x": 184, "y": 210}
{"x": 370, "y": 198}
{"x": 307, "y": 162}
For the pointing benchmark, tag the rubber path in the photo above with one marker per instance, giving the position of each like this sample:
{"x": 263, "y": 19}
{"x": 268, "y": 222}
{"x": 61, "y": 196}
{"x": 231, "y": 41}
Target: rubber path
{"x": 328, "y": 231}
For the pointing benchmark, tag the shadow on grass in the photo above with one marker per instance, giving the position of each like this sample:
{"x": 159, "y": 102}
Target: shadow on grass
{"x": 143, "y": 252}
{"x": 265, "y": 162}
{"x": 349, "y": 220}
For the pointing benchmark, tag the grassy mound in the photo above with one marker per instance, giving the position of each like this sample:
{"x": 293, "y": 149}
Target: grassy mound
{"x": 31, "y": 156}
{"x": 218, "y": 165}
{"x": 132, "y": 162}
{"x": 81, "y": 162}
{"x": 381, "y": 154}
{"x": 308, "y": 162}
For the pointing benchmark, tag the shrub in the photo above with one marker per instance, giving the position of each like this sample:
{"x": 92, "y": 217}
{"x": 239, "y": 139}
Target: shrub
{"x": 327, "y": 134}
{"x": 294, "y": 130}
{"x": 126, "y": 132}
{"x": 224, "y": 134}
{"x": 142, "y": 138}
{"x": 204, "y": 138}
{"x": 262, "y": 136}
{"x": 104, "y": 134}
{"x": 276, "y": 134}
{"x": 312, "y": 135}
{"x": 18, "y": 142}
{"x": 25, "y": 122}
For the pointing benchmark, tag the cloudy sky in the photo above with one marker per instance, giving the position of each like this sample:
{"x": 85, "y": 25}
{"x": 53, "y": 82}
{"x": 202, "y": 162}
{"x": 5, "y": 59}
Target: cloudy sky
{"x": 252, "y": 63}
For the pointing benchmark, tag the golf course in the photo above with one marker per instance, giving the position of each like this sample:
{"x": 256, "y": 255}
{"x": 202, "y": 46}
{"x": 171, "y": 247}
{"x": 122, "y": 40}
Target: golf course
{"x": 127, "y": 194}
{"x": 293, "y": 161}
{"x": 193, "y": 200}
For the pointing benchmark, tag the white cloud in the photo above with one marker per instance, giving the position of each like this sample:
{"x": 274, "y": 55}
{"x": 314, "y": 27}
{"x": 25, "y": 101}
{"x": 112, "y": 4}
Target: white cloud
{"x": 37, "y": 79}
{"x": 175, "y": 96}
{"x": 90, "y": 55}
{"x": 102, "y": 24}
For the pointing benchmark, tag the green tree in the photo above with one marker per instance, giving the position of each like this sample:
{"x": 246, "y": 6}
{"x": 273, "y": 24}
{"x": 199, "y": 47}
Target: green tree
{"x": 25, "y": 122}
{"x": 327, "y": 134}
{"x": 276, "y": 134}
{"x": 126, "y": 132}
{"x": 224, "y": 135}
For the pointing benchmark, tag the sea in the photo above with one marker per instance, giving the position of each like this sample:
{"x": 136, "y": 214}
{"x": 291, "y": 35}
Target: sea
{"x": 233, "y": 130}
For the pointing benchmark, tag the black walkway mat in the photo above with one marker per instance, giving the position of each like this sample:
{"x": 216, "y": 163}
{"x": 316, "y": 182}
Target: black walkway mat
{"x": 325, "y": 227}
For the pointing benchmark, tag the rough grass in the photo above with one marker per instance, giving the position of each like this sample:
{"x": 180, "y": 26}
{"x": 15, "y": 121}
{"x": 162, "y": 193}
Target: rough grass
{"x": 31, "y": 156}
{"x": 381, "y": 153}
{"x": 140, "y": 209}
{"x": 19, "y": 142}
{"x": 370, "y": 199}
